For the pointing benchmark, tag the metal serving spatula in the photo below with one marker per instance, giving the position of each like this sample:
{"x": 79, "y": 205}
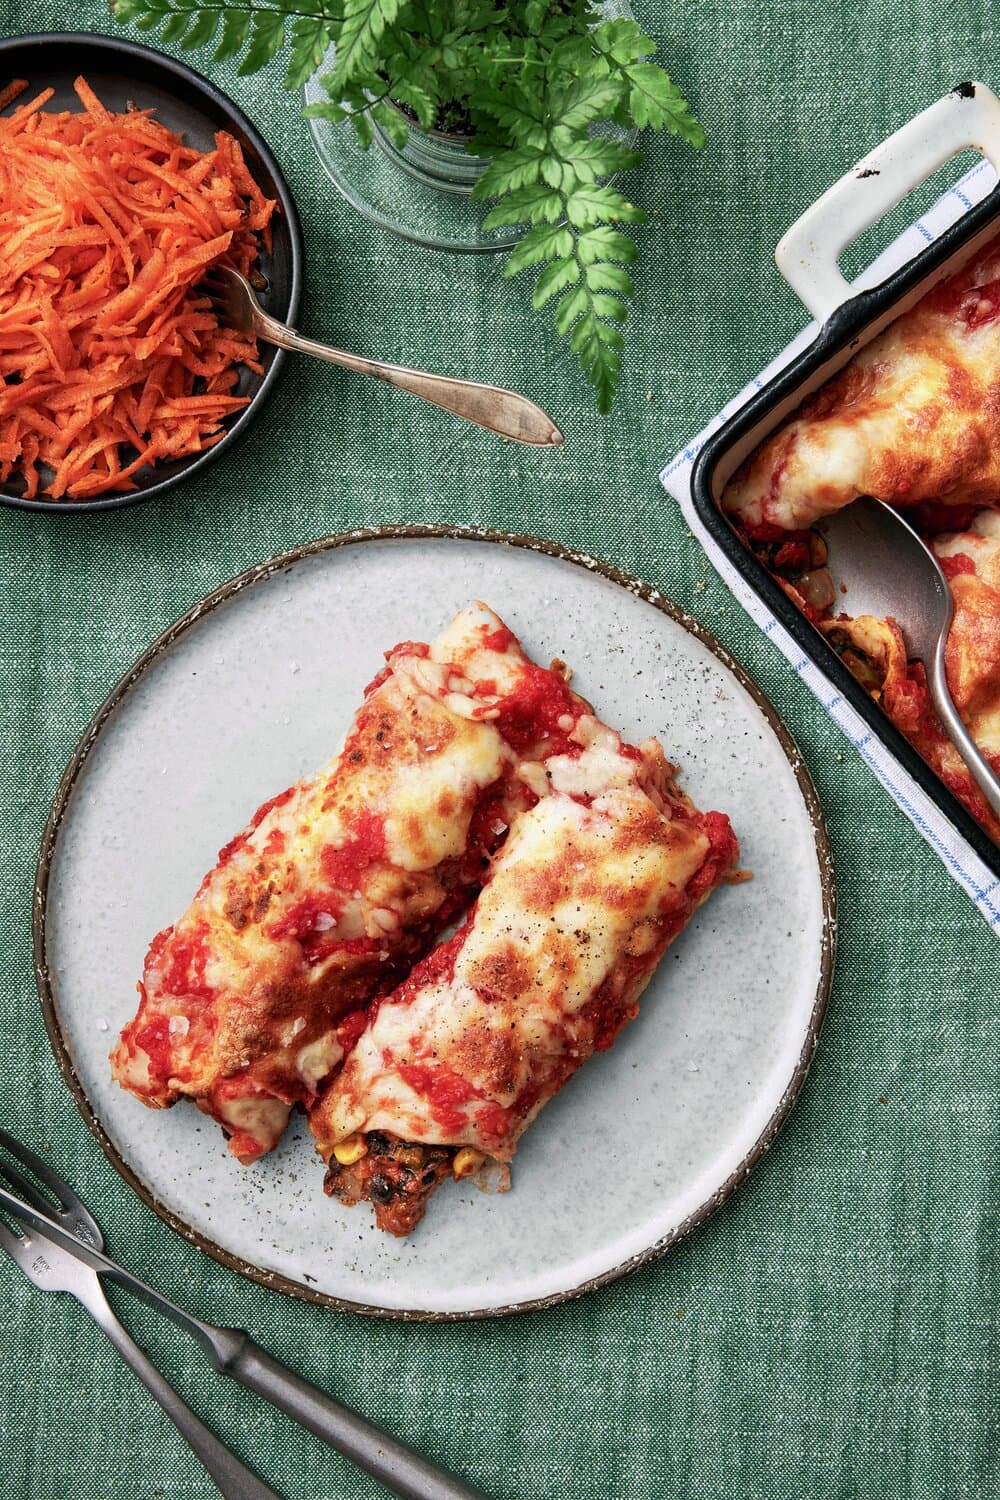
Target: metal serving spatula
{"x": 880, "y": 566}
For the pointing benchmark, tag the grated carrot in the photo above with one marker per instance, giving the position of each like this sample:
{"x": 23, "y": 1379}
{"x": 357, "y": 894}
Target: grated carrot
{"x": 110, "y": 359}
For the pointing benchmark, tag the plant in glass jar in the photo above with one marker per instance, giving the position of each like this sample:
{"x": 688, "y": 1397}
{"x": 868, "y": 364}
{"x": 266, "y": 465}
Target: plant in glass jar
{"x": 528, "y": 85}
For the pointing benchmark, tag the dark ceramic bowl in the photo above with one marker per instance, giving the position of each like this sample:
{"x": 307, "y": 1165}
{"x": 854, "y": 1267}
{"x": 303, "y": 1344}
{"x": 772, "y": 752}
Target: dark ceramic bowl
{"x": 121, "y": 73}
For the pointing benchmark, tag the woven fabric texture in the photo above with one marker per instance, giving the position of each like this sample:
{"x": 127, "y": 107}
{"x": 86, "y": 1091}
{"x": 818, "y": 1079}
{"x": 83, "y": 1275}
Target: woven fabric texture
{"x": 830, "y": 1333}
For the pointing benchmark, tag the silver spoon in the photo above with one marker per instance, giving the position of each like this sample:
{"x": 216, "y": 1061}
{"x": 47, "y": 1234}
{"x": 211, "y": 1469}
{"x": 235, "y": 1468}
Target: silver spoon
{"x": 881, "y": 567}
{"x": 489, "y": 406}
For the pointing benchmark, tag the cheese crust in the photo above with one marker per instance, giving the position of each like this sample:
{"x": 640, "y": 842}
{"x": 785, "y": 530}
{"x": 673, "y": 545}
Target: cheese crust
{"x": 971, "y": 561}
{"x": 913, "y": 418}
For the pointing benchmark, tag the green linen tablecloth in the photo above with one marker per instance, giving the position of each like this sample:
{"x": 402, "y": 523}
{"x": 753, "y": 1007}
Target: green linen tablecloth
{"x": 829, "y": 1333}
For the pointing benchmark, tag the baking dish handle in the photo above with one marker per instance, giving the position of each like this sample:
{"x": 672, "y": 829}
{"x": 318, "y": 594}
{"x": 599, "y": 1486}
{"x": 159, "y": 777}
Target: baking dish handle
{"x": 808, "y": 255}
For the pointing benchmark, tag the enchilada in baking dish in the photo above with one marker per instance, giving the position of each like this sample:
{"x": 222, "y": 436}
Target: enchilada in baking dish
{"x": 913, "y": 420}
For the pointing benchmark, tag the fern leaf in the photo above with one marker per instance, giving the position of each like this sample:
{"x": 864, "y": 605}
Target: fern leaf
{"x": 523, "y": 119}
{"x": 554, "y": 279}
{"x": 587, "y": 100}
{"x": 572, "y": 306}
{"x": 509, "y": 170}
{"x": 657, "y": 102}
{"x": 622, "y": 41}
{"x": 534, "y": 204}
{"x": 604, "y": 278}
{"x": 423, "y": 103}
{"x": 593, "y": 204}
{"x": 392, "y": 121}
{"x": 535, "y": 14}
{"x": 310, "y": 37}
{"x": 267, "y": 32}
{"x": 599, "y": 358}
{"x": 605, "y": 306}
{"x": 604, "y": 242}
{"x": 363, "y": 24}
{"x": 235, "y": 30}
{"x": 552, "y": 242}
{"x": 203, "y": 29}
{"x": 361, "y": 122}
{"x": 175, "y": 26}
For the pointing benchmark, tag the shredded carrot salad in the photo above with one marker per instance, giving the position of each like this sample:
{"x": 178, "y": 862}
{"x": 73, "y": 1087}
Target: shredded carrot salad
{"x": 110, "y": 359}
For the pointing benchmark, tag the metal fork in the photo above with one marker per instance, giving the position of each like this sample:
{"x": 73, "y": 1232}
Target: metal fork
{"x": 53, "y": 1270}
{"x": 489, "y": 406}
{"x": 230, "y": 1350}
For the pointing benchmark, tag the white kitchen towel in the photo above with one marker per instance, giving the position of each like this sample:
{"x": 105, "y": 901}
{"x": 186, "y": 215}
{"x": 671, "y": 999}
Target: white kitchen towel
{"x": 962, "y": 862}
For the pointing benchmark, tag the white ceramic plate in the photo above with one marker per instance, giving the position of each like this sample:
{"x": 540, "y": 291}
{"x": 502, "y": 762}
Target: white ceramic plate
{"x": 253, "y": 688}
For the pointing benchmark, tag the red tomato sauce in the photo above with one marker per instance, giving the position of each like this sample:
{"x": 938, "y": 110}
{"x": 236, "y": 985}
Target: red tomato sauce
{"x": 438, "y": 967}
{"x": 352, "y": 1028}
{"x": 182, "y": 963}
{"x": 443, "y": 1089}
{"x": 500, "y": 639}
{"x": 607, "y": 1014}
{"x": 722, "y": 851}
{"x": 533, "y": 711}
{"x": 300, "y": 922}
{"x": 365, "y": 846}
{"x": 932, "y": 516}
{"x": 157, "y": 946}
{"x": 228, "y": 850}
{"x": 769, "y": 531}
{"x": 154, "y": 1040}
{"x": 960, "y": 562}
{"x": 403, "y": 648}
{"x": 494, "y": 1124}
{"x": 793, "y": 556}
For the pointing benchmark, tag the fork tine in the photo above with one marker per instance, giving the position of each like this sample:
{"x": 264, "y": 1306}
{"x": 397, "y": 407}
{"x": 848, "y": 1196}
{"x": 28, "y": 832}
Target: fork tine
{"x": 69, "y": 1202}
{"x": 28, "y": 1189}
{"x": 27, "y": 1158}
{"x": 14, "y": 1244}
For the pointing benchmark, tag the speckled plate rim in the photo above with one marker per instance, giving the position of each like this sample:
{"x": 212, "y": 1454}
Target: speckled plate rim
{"x": 259, "y": 574}
{"x": 178, "y": 76}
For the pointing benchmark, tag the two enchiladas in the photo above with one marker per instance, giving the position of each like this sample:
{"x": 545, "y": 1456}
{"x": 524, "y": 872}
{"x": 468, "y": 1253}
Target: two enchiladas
{"x": 468, "y": 768}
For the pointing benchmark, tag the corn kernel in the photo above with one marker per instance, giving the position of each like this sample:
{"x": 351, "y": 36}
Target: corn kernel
{"x": 349, "y": 1151}
{"x": 467, "y": 1161}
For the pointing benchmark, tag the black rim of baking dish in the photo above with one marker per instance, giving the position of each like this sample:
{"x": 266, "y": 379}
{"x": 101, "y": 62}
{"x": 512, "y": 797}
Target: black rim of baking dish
{"x": 844, "y": 330}
{"x": 64, "y": 792}
{"x": 93, "y": 49}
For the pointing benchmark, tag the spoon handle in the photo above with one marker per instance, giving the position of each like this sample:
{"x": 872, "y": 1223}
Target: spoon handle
{"x": 490, "y": 406}
{"x": 985, "y": 778}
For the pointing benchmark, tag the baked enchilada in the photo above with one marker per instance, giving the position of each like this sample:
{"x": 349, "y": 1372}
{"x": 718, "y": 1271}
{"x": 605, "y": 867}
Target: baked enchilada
{"x": 913, "y": 420}
{"x": 338, "y": 884}
{"x": 593, "y": 883}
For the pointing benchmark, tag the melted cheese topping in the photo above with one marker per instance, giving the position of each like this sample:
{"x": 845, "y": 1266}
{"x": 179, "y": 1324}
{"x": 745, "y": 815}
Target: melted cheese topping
{"x": 334, "y": 886}
{"x": 914, "y": 417}
{"x": 583, "y": 900}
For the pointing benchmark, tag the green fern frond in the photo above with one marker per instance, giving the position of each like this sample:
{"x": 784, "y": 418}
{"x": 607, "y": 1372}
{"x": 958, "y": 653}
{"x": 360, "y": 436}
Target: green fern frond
{"x": 529, "y": 80}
